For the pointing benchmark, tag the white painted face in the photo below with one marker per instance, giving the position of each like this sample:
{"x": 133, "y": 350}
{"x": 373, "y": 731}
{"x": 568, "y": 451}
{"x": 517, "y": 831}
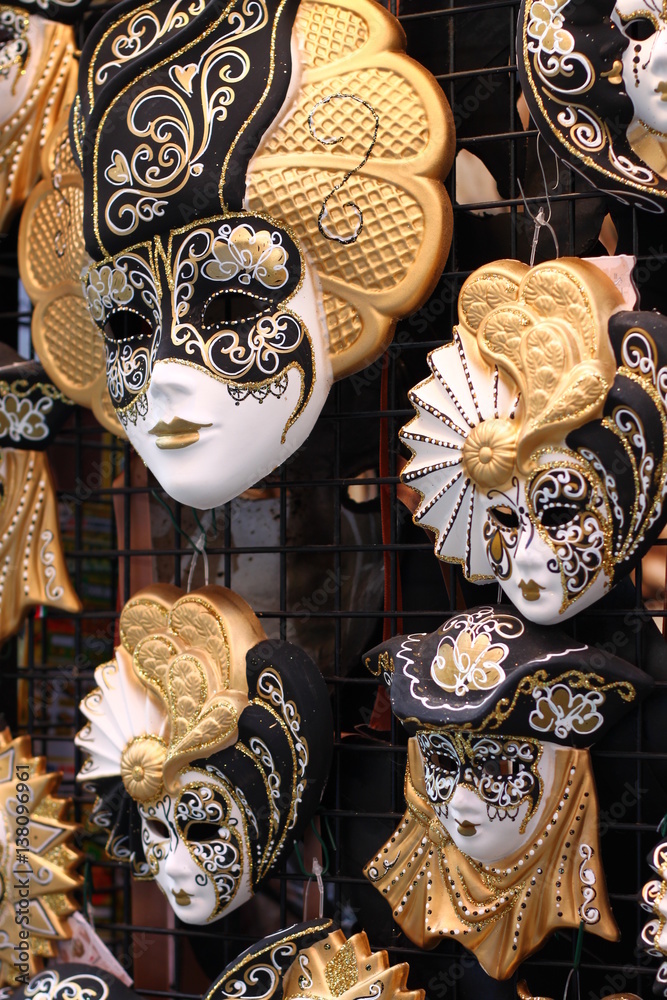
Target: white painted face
{"x": 644, "y": 24}
{"x": 547, "y": 541}
{"x": 489, "y": 793}
{"x": 219, "y": 373}
{"x": 196, "y": 847}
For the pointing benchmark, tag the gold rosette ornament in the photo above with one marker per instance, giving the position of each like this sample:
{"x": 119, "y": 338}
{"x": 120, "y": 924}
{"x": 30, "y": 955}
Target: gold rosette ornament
{"x": 36, "y": 862}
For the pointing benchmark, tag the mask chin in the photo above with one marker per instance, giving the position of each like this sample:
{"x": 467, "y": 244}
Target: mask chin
{"x": 233, "y": 442}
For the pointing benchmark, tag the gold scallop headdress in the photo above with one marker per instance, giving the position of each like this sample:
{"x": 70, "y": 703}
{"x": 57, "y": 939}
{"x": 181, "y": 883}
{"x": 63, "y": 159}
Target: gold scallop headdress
{"x": 44, "y": 868}
{"x": 51, "y": 258}
{"x": 530, "y": 360}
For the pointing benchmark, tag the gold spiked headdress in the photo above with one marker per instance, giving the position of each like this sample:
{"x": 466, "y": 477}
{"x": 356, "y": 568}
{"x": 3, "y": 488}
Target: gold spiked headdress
{"x": 36, "y": 878}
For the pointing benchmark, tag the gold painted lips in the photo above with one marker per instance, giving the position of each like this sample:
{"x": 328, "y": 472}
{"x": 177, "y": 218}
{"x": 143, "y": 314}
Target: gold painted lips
{"x": 530, "y": 590}
{"x": 181, "y": 897}
{"x": 178, "y": 433}
{"x": 467, "y": 829}
{"x": 662, "y": 90}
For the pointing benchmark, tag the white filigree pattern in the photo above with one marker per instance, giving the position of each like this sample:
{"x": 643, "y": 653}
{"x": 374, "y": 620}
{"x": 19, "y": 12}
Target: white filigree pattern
{"x": 561, "y": 711}
{"x": 589, "y": 913}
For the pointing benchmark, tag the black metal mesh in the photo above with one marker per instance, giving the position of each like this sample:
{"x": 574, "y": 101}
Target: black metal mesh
{"x": 306, "y": 551}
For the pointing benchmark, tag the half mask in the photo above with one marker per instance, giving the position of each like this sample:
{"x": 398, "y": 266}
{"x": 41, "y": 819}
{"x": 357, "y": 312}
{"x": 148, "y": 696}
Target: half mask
{"x": 262, "y": 200}
{"x": 209, "y": 747}
{"x": 36, "y": 861}
{"x": 32, "y": 563}
{"x": 498, "y": 847}
{"x": 594, "y": 77}
{"x": 538, "y": 448}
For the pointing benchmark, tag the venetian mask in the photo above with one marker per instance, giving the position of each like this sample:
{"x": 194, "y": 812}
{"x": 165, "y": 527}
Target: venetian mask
{"x": 33, "y": 570}
{"x": 209, "y": 747}
{"x": 37, "y": 861}
{"x": 314, "y": 961}
{"x": 538, "y": 448}
{"x": 248, "y": 244}
{"x": 499, "y": 843}
{"x": 593, "y": 77}
{"x": 37, "y": 79}
{"x": 654, "y": 935}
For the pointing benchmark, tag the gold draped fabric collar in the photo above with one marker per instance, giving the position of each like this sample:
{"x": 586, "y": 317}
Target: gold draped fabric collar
{"x": 502, "y": 912}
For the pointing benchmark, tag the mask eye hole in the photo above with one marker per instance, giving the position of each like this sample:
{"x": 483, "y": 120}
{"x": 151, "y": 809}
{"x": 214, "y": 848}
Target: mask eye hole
{"x": 123, "y": 324}
{"x": 558, "y": 517}
{"x": 504, "y": 516}
{"x": 640, "y": 27}
{"x": 231, "y": 308}
{"x": 158, "y": 829}
{"x": 199, "y": 833}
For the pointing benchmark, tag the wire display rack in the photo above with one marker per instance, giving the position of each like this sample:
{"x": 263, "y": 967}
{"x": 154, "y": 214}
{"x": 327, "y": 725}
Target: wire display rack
{"x": 309, "y": 549}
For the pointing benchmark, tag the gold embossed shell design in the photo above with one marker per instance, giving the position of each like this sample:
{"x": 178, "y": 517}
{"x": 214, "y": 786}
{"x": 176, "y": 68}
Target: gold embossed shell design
{"x": 51, "y": 258}
{"x": 371, "y": 135}
{"x": 46, "y": 867}
{"x": 174, "y": 692}
{"x": 348, "y": 969}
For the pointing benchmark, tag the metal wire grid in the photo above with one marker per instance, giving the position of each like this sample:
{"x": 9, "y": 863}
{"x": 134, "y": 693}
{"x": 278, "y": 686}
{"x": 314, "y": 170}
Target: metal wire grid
{"x": 364, "y": 799}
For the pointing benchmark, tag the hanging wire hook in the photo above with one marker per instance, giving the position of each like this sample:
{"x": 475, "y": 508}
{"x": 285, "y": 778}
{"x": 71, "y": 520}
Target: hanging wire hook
{"x": 574, "y": 971}
{"x": 540, "y": 218}
{"x": 199, "y": 546}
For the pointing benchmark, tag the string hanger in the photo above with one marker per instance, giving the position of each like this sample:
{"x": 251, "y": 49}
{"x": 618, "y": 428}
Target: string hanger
{"x": 541, "y": 219}
{"x": 199, "y": 546}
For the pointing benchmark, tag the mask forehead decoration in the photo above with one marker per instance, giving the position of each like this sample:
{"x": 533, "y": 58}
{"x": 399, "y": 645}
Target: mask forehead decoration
{"x": 499, "y": 843}
{"x": 215, "y": 740}
{"x": 37, "y": 80}
{"x": 36, "y": 861}
{"x": 255, "y": 238}
{"x": 654, "y": 900}
{"x": 315, "y": 961}
{"x": 33, "y": 570}
{"x": 594, "y": 77}
{"x": 538, "y": 448}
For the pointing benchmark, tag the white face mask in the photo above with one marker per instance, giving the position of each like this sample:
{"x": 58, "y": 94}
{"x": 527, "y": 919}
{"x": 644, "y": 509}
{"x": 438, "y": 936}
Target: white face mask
{"x": 217, "y": 353}
{"x": 547, "y": 540}
{"x": 488, "y": 794}
{"x": 196, "y": 847}
{"x": 644, "y": 24}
